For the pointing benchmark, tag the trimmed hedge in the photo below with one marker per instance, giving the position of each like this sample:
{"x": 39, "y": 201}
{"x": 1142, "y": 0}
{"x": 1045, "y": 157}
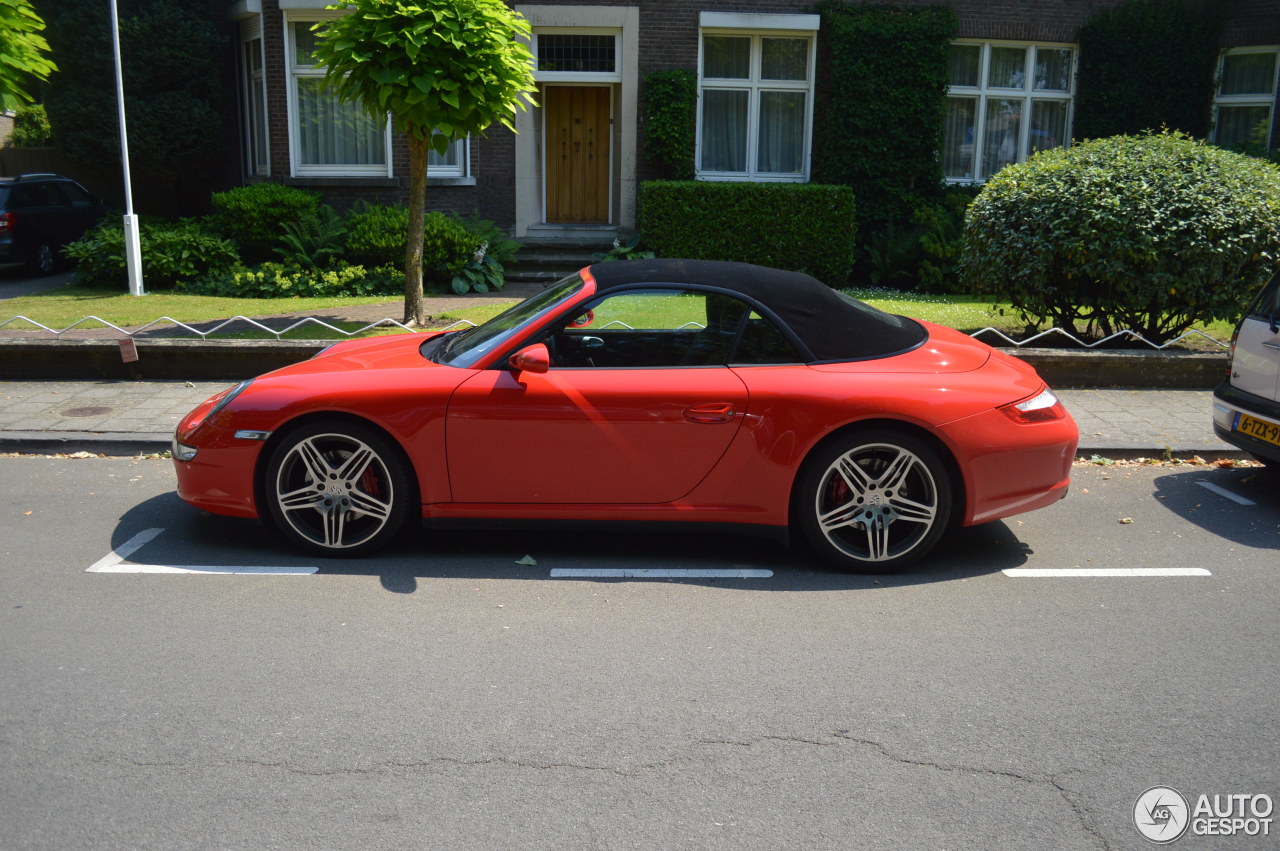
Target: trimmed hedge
{"x": 171, "y": 252}
{"x": 670, "y": 107}
{"x": 1151, "y": 233}
{"x": 806, "y": 227}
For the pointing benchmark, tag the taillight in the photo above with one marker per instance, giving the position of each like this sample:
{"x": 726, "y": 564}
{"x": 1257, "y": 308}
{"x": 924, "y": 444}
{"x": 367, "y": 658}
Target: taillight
{"x": 1041, "y": 408}
{"x": 1231, "y": 353}
{"x": 7, "y": 222}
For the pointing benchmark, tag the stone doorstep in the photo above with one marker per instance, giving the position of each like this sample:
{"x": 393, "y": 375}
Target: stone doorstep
{"x": 232, "y": 360}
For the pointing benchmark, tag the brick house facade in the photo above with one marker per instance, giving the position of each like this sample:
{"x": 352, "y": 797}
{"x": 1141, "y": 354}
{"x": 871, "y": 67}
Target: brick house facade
{"x": 576, "y": 160}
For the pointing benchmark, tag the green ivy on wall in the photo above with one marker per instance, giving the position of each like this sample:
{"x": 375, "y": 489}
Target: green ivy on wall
{"x": 883, "y": 73}
{"x": 670, "y": 100}
{"x": 1147, "y": 64}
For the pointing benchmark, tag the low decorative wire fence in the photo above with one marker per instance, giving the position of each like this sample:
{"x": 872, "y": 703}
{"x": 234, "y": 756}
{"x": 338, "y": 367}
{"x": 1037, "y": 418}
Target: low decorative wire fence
{"x": 167, "y": 321}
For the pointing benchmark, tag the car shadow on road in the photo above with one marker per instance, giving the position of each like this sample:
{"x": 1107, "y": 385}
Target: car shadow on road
{"x": 193, "y": 537}
{"x": 1239, "y": 504}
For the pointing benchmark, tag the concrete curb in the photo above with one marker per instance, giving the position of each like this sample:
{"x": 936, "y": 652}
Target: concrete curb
{"x": 233, "y": 360}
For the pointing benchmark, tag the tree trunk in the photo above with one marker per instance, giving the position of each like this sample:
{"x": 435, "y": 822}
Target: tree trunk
{"x": 414, "y": 315}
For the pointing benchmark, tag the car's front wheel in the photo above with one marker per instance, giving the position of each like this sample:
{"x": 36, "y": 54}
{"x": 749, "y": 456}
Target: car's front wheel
{"x": 338, "y": 489}
{"x": 873, "y": 501}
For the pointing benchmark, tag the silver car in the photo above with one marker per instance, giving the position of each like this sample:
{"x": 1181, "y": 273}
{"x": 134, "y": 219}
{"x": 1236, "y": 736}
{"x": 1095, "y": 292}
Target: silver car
{"x": 1246, "y": 406}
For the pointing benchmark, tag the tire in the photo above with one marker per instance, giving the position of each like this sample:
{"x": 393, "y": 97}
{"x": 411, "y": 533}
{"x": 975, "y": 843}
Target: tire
{"x": 873, "y": 501}
{"x": 338, "y": 489}
{"x": 42, "y": 260}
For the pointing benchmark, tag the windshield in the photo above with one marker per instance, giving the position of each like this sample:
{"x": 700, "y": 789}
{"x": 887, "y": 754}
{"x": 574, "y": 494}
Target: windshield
{"x": 464, "y": 348}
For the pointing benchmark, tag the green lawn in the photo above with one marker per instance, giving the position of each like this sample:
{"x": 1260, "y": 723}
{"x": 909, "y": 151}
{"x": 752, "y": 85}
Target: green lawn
{"x": 63, "y": 306}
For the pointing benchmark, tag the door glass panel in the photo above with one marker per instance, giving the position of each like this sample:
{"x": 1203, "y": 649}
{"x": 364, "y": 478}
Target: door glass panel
{"x": 577, "y": 53}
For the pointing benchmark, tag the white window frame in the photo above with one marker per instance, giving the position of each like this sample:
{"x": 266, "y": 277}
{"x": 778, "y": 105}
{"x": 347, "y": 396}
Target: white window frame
{"x": 294, "y": 72}
{"x": 983, "y": 93}
{"x": 754, "y": 85}
{"x": 255, "y": 126}
{"x": 614, "y": 76}
{"x": 1267, "y": 99}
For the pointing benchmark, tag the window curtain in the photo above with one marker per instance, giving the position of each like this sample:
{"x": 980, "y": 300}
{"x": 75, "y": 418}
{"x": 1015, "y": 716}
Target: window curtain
{"x": 1235, "y": 124}
{"x": 1004, "y": 124}
{"x": 331, "y": 132}
{"x": 724, "y": 130}
{"x": 1248, "y": 74}
{"x": 781, "y": 140}
{"x": 959, "y": 133}
{"x": 1048, "y": 125}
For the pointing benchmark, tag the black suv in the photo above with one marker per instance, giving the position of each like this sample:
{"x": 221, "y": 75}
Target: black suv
{"x": 40, "y": 213}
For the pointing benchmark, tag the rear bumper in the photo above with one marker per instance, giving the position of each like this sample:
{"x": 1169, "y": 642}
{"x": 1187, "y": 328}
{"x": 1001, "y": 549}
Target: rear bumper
{"x": 1228, "y": 404}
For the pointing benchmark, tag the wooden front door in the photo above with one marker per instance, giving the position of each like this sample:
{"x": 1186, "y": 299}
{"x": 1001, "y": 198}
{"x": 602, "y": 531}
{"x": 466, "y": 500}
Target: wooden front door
{"x": 577, "y": 127}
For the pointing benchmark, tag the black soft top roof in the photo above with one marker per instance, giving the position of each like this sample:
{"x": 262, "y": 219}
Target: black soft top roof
{"x": 833, "y": 326}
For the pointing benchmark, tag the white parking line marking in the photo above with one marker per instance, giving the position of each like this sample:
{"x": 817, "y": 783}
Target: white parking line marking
{"x": 657, "y": 573}
{"x": 1220, "y": 491}
{"x": 1044, "y": 572}
{"x": 114, "y": 562}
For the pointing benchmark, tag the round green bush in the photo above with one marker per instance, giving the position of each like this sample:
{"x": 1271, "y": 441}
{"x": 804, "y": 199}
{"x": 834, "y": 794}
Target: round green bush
{"x": 1151, "y": 233}
{"x": 377, "y": 235}
{"x": 254, "y": 215}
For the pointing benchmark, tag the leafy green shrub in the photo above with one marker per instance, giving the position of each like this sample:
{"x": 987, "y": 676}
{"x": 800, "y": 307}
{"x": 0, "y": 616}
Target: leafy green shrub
{"x": 670, "y": 106}
{"x": 1147, "y": 64}
{"x": 498, "y": 245}
{"x": 377, "y": 235}
{"x": 30, "y": 128}
{"x": 1152, "y": 233}
{"x": 254, "y": 216}
{"x": 171, "y": 252}
{"x": 801, "y": 226}
{"x": 316, "y": 240}
{"x": 883, "y": 73}
{"x": 278, "y": 280}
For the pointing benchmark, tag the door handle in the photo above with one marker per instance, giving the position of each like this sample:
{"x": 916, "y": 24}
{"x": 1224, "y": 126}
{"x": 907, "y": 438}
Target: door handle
{"x": 711, "y": 412}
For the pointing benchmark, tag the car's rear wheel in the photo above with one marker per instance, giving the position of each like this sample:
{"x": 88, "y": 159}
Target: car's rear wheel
{"x": 338, "y": 489}
{"x": 42, "y": 260}
{"x": 873, "y": 501}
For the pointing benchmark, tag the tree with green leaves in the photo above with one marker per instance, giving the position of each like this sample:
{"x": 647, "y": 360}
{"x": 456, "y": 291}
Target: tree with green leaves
{"x": 23, "y": 52}
{"x": 443, "y": 69}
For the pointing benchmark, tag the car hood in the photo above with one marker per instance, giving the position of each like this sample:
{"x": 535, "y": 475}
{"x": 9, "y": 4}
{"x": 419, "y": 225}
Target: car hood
{"x": 393, "y": 351}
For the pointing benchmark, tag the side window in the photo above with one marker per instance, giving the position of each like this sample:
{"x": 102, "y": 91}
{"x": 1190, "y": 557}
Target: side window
{"x": 1267, "y": 304}
{"x": 75, "y": 196}
{"x": 42, "y": 195}
{"x": 762, "y": 343}
{"x": 650, "y": 328}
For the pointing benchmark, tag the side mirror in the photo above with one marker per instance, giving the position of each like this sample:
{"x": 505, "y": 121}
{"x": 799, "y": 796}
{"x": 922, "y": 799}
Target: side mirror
{"x": 535, "y": 359}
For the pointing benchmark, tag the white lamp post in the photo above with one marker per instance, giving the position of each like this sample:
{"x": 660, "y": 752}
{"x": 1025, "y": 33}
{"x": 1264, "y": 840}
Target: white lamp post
{"x": 132, "y": 241}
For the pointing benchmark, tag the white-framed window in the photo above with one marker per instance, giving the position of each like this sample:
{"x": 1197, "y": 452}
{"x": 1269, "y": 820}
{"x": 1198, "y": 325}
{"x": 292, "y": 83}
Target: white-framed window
{"x": 453, "y": 163}
{"x": 327, "y": 136}
{"x": 257, "y": 158}
{"x": 755, "y": 104}
{"x": 1244, "y": 105}
{"x": 1005, "y": 102}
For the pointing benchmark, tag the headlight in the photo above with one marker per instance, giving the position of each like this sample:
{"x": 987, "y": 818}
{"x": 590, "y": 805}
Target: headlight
{"x": 181, "y": 451}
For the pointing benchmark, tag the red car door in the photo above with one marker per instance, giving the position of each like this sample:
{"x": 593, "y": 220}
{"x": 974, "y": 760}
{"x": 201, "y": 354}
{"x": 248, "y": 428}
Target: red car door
{"x": 590, "y": 436}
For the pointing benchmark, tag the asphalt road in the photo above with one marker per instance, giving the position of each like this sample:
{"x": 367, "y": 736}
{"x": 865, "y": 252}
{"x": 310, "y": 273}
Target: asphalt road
{"x": 442, "y": 696}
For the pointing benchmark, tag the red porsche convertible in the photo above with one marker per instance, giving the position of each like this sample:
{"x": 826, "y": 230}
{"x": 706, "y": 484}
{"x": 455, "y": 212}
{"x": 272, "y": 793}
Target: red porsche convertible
{"x": 645, "y": 390}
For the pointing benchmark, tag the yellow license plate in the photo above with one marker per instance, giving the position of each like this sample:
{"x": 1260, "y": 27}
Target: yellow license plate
{"x": 1259, "y": 429}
